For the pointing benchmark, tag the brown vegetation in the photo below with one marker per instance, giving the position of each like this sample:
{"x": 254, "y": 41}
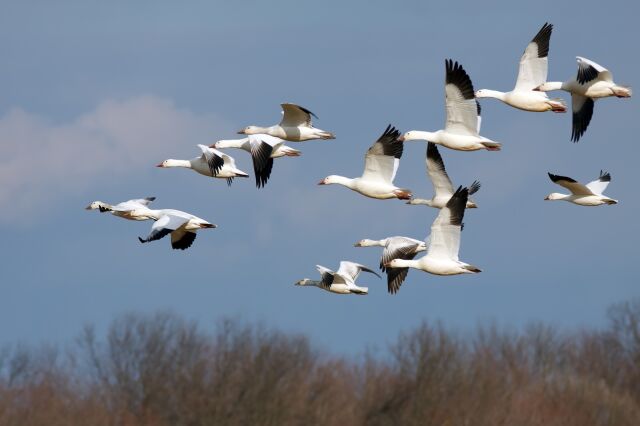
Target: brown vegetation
{"x": 162, "y": 370}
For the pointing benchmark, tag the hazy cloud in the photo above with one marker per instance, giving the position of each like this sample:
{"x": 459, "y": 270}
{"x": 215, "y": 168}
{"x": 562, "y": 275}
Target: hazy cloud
{"x": 42, "y": 161}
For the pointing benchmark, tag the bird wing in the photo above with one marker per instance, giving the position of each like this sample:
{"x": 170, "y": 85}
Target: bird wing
{"x": 215, "y": 159}
{"x": 383, "y": 157}
{"x": 262, "y": 162}
{"x": 437, "y": 173}
{"x": 582, "y": 107}
{"x": 599, "y": 185}
{"x": 349, "y": 271}
{"x": 534, "y": 62}
{"x": 572, "y": 185}
{"x": 327, "y": 277}
{"x": 132, "y": 204}
{"x": 444, "y": 241}
{"x": 166, "y": 224}
{"x": 181, "y": 239}
{"x": 461, "y": 105}
{"x": 294, "y": 115}
{"x": 398, "y": 248}
{"x": 589, "y": 70}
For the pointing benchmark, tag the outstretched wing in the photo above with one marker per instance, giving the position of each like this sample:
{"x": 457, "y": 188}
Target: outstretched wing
{"x": 165, "y": 225}
{"x": 327, "y": 277}
{"x": 215, "y": 159}
{"x": 534, "y": 61}
{"x": 442, "y": 185}
{"x": 349, "y": 271}
{"x": 294, "y": 115}
{"x": 589, "y": 71}
{"x": 398, "y": 248}
{"x": 383, "y": 157}
{"x": 582, "y": 112}
{"x": 461, "y": 106}
{"x": 599, "y": 185}
{"x": 572, "y": 185}
{"x": 444, "y": 241}
{"x": 262, "y": 161}
{"x": 181, "y": 239}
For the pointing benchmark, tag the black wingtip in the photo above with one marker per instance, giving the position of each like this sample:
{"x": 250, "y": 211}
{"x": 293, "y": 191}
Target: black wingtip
{"x": 141, "y": 240}
{"x": 542, "y": 40}
{"x": 604, "y": 177}
{"x": 456, "y": 75}
{"x": 150, "y": 198}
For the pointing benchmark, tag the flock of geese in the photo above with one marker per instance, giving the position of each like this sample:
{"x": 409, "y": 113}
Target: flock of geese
{"x": 461, "y": 132}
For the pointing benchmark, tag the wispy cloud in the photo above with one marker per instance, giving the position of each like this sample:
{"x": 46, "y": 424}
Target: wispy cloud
{"x": 44, "y": 162}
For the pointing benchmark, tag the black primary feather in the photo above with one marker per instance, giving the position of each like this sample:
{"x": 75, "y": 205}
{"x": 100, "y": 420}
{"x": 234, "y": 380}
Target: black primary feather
{"x": 262, "y": 163}
{"x": 457, "y": 76}
{"x": 184, "y": 242}
{"x": 581, "y": 120}
{"x": 307, "y": 111}
{"x": 557, "y": 178}
{"x": 586, "y": 73}
{"x": 215, "y": 163}
{"x": 474, "y": 187}
{"x": 457, "y": 204}
{"x": 388, "y": 143}
{"x": 604, "y": 177}
{"x": 542, "y": 40}
{"x": 156, "y": 234}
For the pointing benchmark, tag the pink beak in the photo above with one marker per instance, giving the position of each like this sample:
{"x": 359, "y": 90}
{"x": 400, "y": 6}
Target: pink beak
{"x": 321, "y": 182}
{"x": 159, "y": 165}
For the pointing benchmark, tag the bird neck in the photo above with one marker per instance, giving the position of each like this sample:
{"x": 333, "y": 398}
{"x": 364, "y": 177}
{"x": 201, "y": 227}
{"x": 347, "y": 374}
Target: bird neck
{"x": 231, "y": 143}
{"x": 177, "y": 163}
{"x": 341, "y": 180}
{"x": 551, "y": 85}
{"x": 422, "y": 135}
{"x": 486, "y": 93}
{"x": 405, "y": 263}
{"x": 372, "y": 243}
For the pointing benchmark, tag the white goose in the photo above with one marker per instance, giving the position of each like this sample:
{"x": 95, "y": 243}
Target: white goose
{"x": 444, "y": 242}
{"x": 583, "y": 195}
{"x": 181, "y": 225}
{"x": 263, "y": 149}
{"x": 212, "y": 163}
{"x": 461, "y": 131}
{"x": 380, "y": 166}
{"x": 295, "y": 126}
{"x": 342, "y": 281}
{"x": 395, "y": 248}
{"x": 532, "y": 73}
{"x": 137, "y": 209}
{"x": 442, "y": 185}
{"x": 593, "y": 81}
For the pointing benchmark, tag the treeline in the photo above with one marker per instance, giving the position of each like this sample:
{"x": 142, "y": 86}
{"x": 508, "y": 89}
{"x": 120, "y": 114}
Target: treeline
{"x": 163, "y": 370}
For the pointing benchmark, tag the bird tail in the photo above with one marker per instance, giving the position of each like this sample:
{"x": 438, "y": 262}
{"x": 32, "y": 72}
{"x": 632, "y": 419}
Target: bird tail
{"x": 361, "y": 291}
{"x": 403, "y": 194}
{"x": 290, "y": 152}
{"x": 471, "y": 268}
{"x": 326, "y": 135}
{"x": 492, "y": 146}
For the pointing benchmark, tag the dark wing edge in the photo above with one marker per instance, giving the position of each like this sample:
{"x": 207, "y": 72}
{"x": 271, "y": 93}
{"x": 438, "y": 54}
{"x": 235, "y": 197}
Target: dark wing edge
{"x": 262, "y": 163}
{"x": 389, "y": 143}
{"x": 185, "y": 242}
{"x": 558, "y": 178}
{"x": 542, "y": 40}
{"x": 457, "y": 76}
{"x": 457, "y": 204}
{"x": 581, "y": 119}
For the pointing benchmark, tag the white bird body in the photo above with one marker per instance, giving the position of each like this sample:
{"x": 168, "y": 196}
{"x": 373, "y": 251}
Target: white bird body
{"x": 531, "y": 74}
{"x": 211, "y": 163}
{"x": 462, "y": 125}
{"x": 295, "y": 126}
{"x": 263, "y": 149}
{"x": 340, "y": 282}
{"x": 583, "y": 195}
{"x": 593, "y": 81}
{"x": 136, "y": 209}
{"x": 181, "y": 225}
{"x": 444, "y": 242}
{"x": 381, "y": 164}
{"x": 442, "y": 186}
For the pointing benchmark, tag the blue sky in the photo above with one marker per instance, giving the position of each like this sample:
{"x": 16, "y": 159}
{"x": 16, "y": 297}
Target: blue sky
{"x": 94, "y": 94}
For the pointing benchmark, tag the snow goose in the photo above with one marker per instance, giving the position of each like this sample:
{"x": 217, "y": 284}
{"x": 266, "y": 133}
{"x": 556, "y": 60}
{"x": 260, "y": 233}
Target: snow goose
{"x": 212, "y": 163}
{"x": 442, "y": 185}
{"x": 461, "y": 131}
{"x": 295, "y": 126}
{"x": 263, "y": 149}
{"x": 137, "y": 209}
{"x": 342, "y": 281}
{"x": 582, "y": 195}
{"x": 380, "y": 166}
{"x": 444, "y": 242}
{"x": 395, "y": 248}
{"x": 532, "y": 73}
{"x": 181, "y": 225}
{"x": 592, "y": 81}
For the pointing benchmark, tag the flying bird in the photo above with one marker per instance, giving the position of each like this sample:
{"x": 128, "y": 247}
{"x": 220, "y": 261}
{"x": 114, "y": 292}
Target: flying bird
{"x": 444, "y": 242}
{"x": 592, "y": 81}
{"x": 263, "y": 149}
{"x": 583, "y": 195}
{"x": 137, "y": 209}
{"x": 212, "y": 163}
{"x": 181, "y": 225}
{"x": 295, "y": 126}
{"x": 342, "y": 281}
{"x": 461, "y": 131}
{"x": 442, "y": 185}
{"x": 380, "y": 166}
{"x": 395, "y": 248}
{"x": 532, "y": 73}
